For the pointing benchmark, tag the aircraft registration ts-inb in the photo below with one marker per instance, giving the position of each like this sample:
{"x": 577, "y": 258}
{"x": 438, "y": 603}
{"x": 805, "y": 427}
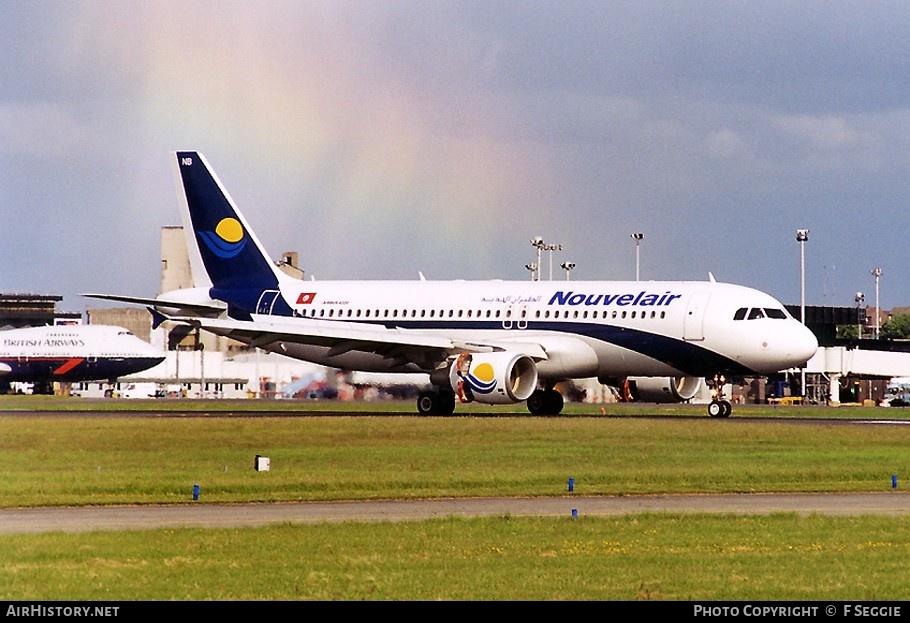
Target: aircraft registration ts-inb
{"x": 493, "y": 342}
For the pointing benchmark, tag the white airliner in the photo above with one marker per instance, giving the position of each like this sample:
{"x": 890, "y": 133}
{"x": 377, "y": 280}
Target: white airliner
{"x": 72, "y": 353}
{"x": 492, "y": 342}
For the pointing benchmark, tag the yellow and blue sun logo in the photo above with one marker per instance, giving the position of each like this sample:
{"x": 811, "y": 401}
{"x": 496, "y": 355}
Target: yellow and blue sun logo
{"x": 482, "y": 378}
{"x": 227, "y": 240}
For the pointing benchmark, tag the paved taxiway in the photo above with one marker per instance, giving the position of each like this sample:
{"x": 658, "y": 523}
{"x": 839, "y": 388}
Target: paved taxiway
{"x": 199, "y": 514}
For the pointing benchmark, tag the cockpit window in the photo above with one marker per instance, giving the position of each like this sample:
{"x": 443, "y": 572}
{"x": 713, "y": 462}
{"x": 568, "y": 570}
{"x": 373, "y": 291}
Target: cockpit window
{"x": 773, "y": 312}
{"x": 757, "y": 312}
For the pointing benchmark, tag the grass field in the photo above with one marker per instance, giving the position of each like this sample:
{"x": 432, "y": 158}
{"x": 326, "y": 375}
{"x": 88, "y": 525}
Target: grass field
{"x": 64, "y": 459}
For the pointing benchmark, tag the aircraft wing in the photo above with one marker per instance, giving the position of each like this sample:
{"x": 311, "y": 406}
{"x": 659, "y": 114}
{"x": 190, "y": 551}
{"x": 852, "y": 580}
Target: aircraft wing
{"x": 405, "y": 345}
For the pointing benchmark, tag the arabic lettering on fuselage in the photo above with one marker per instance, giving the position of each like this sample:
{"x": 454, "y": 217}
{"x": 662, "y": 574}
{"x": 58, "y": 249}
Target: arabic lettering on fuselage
{"x": 642, "y": 298}
{"x": 510, "y": 300}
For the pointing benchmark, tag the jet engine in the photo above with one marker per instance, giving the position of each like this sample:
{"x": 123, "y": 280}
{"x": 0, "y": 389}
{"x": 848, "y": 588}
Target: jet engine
{"x": 664, "y": 389}
{"x": 489, "y": 378}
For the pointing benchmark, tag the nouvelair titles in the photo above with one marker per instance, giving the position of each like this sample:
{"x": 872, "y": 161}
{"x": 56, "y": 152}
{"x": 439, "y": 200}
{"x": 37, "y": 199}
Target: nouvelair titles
{"x": 642, "y": 298}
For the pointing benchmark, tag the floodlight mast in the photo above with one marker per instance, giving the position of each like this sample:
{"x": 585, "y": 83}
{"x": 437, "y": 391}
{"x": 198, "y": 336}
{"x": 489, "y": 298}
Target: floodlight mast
{"x": 802, "y": 236}
{"x": 637, "y": 237}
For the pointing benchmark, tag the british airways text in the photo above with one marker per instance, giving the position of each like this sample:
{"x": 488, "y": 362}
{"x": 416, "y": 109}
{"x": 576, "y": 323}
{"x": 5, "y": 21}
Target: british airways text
{"x": 641, "y": 298}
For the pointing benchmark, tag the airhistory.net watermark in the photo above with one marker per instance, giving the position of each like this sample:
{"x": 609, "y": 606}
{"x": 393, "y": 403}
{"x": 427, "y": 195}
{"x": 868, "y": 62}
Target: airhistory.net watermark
{"x": 42, "y": 610}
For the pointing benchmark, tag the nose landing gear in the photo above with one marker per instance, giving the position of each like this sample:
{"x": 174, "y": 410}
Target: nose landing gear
{"x": 719, "y": 406}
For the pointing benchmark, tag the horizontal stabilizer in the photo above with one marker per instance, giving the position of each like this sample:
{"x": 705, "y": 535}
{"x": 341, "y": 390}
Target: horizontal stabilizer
{"x": 197, "y": 308}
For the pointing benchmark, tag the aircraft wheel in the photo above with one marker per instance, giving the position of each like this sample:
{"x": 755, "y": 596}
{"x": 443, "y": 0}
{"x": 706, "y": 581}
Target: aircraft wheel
{"x": 554, "y": 401}
{"x": 720, "y": 408}
{"x": 426, "y": 403}
{"x": 537, "y": 402}
{"x": 446, "y": 403}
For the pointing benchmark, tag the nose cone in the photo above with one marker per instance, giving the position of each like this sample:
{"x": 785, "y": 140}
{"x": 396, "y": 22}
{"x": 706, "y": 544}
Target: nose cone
{"x": 789, "y": 345}
{"x": 802, "y": 345}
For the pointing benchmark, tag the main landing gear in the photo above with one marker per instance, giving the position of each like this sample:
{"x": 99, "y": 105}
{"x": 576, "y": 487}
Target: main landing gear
{"x": 719, "y": 406}
{"x": 545, "y": 402}
{"x": 441, "y": 402}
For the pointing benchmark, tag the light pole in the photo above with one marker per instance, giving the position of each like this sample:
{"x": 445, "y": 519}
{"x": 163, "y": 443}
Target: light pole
{"x": 637, "y": 238}
{"x": 876, "y": 272}
{"x": 533, "y": 268}
{"x": 567, "y": 266}
{"x": 802, "y": 235}
{"x": 860, "y": 299}
{"x": 551, "y": 248}
{"x": 538, "y": 243}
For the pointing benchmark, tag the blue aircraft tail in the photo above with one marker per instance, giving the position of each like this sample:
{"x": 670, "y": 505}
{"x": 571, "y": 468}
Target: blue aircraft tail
{"x": 240, "y": 272}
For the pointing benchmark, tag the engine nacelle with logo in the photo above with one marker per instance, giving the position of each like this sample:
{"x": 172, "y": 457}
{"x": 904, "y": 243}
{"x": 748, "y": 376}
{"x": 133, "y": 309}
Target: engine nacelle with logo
{"x": 489, "y": 378}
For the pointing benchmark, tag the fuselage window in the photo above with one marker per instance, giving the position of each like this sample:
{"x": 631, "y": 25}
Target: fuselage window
{"x": 663, "y": 314}
{"x": 633, "y": 313}
{"x": 624, "y": 314}
{"x": 614, "y": 313}
{"x": 653, "y": 314}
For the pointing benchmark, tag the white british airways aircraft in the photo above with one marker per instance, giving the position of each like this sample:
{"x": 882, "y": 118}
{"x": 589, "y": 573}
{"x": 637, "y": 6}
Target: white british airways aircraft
{"x": 492, "y": 342}
{"x": 72, "y": 353}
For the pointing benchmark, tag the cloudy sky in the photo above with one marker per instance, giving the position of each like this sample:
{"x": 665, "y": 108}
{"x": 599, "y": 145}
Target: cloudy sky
{"x": 379, "y": 139}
